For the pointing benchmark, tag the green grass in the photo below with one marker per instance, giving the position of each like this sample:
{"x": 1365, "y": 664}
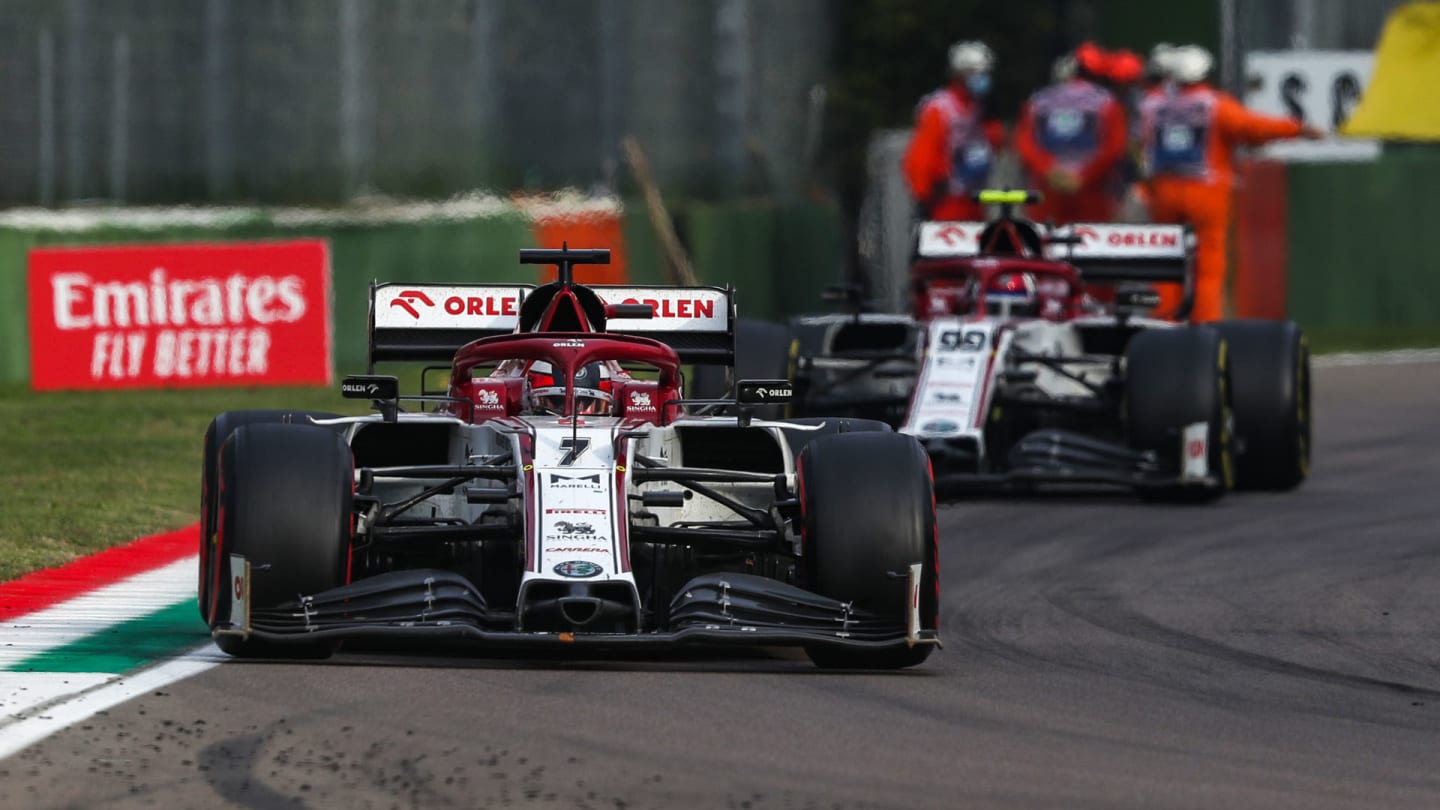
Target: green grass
{"x": 80, "y": 472}
{"x": 1327, "y": 340}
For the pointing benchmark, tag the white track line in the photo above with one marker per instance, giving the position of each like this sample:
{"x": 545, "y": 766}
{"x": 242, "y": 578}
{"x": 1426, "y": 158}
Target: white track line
{"x": 36, "y": 723}
{"x": 1390, "y": 358}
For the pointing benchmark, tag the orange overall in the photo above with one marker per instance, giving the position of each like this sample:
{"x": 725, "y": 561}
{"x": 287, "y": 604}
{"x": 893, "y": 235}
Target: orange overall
{"x": 950, "y": 155}
{"x": 1189, "y": 139}
{"x": 1076, "y": 126}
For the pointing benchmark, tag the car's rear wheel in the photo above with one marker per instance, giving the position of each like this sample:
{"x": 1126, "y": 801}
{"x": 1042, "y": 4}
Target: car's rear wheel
{"x": 215, "y": 435}
{"x": 1175, "y": 377}
{"x": 1270, "y": 392}
{"x": 829, "y": 426}
{"x": 762, "y": 352}
{"x": 286, "y": 494}
{"x": 807, "y": 341}
{"x": 868, "y": 514}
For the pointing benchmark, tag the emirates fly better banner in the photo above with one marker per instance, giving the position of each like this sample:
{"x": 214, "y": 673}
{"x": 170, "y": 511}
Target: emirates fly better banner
{"x": 148, "y": 316}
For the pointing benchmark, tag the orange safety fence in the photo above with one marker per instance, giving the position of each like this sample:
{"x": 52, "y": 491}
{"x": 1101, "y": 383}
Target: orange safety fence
{"x": 584, "y": 225}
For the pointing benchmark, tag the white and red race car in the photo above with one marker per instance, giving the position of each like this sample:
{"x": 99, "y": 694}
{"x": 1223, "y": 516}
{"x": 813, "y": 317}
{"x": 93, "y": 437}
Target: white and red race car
{"x": 1027, "y": 359}
{"x": 589, "y": 509}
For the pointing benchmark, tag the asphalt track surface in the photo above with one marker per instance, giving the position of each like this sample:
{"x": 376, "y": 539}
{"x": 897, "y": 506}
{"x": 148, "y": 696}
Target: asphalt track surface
{"x": 1268, "y": 651}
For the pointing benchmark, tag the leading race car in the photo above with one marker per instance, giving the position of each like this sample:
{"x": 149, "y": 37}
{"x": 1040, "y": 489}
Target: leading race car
{"x": 1028, "y": 360}
{"x": 558, "y": 492}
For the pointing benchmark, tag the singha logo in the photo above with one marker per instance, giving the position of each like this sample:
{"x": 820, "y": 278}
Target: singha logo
{"x": 640, "y": 399}
{"x": 488, "y": 398}
{"x": 566, "y": 527}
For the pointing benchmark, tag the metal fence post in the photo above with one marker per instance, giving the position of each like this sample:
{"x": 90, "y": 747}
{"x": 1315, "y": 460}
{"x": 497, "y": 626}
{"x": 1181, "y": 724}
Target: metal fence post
{"x": 45, "y": 166}
{"x": 483, "y": 94}
{"x": 76, "y": 98}
{"x": 354, "y": 117}
{"x": 219, "y": 146}
{"x": 732, "y": 86}
{"x": 611, "y": 88}
{"x": 119, "y": 116}
{"x": 1232, "y": 57}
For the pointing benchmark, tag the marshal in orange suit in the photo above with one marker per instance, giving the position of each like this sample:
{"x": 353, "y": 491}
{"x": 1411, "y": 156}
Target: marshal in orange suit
{"x": 1071, "y": 139}
{"x": 953, "y": 149}
{"x": 1190, "y": 131}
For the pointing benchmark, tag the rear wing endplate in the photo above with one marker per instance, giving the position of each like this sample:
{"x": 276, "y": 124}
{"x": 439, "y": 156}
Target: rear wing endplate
{"x": 429, "y": 322}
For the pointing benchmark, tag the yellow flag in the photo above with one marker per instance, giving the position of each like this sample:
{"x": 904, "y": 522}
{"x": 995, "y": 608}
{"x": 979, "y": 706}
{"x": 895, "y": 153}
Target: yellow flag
{"x": 1403, "y": 99}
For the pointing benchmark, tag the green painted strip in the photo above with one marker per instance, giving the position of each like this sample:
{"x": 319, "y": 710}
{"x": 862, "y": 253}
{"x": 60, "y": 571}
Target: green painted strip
{"x": 126, "y": 646}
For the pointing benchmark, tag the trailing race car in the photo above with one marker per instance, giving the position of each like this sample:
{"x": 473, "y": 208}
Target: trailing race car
{"x": 1011, "y": 371}
{"x": 558, "y": 492}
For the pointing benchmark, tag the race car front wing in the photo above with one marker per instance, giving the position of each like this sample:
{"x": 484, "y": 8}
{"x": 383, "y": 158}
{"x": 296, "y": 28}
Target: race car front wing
{"x": 444, "y": 606}
{"x": 1055, "y": 456}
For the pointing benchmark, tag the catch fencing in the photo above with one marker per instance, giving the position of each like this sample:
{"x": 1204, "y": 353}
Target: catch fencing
{"x": 320, "y": 101}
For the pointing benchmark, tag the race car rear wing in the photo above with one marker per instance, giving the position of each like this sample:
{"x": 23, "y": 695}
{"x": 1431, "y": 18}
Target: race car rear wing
{"x": 1102, "y": 252}
{"x": 1111, "y": 252}
{"x": 697, "y": 322}
{"x": 429, "y": 322}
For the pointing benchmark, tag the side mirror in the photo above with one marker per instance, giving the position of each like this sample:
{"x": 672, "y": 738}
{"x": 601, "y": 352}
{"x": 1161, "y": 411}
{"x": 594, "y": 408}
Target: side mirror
{"x": 764, "y": 392}
{"x": 370, "y": 386}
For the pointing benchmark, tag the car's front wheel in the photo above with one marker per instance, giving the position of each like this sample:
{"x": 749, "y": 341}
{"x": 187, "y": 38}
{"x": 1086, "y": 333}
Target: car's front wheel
{"x": 286, "y": 496}
{"x": 1175, "y": 378}
{"x": 868, "y": 514}
{"x": 215, "y": 435}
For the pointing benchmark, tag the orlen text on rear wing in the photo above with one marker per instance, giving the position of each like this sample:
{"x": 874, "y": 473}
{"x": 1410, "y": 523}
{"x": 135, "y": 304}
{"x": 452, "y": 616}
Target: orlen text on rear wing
{"x": 428, "y": 322}
{"x": 697, "y": 322}
{"x": 1109, "y": 252}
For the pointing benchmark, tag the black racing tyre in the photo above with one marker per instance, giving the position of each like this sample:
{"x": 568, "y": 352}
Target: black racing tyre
{"x": 1270, "y": 394}
{"x": 215, "y": 435}
{"x": 286, "y": 495}
{"x": 762, "y": 352}
{"x": 708, "y": 382}
{"x": 808, "y": 337}
{"x": 829, "y": 426}
{"x": 807, "y": 340}
{"x": 1176, "y": 377}
{"x": 868, "y": 514}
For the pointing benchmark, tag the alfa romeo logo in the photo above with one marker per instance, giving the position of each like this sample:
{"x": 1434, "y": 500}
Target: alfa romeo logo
{"x": 578, "y": 569}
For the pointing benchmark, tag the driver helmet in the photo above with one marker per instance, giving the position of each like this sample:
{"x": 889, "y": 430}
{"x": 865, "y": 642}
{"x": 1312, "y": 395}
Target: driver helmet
{"x": 593, "y": 390}
{"x": 1012, "y": 295}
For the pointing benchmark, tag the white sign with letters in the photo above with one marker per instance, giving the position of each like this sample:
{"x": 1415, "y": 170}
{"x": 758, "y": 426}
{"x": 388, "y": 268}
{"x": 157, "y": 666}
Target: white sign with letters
{"x": 1320, "y": 87}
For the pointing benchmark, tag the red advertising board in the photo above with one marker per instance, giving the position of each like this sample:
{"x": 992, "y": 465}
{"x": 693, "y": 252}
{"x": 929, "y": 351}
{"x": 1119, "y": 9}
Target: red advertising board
{"x": 161, "y": 316}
